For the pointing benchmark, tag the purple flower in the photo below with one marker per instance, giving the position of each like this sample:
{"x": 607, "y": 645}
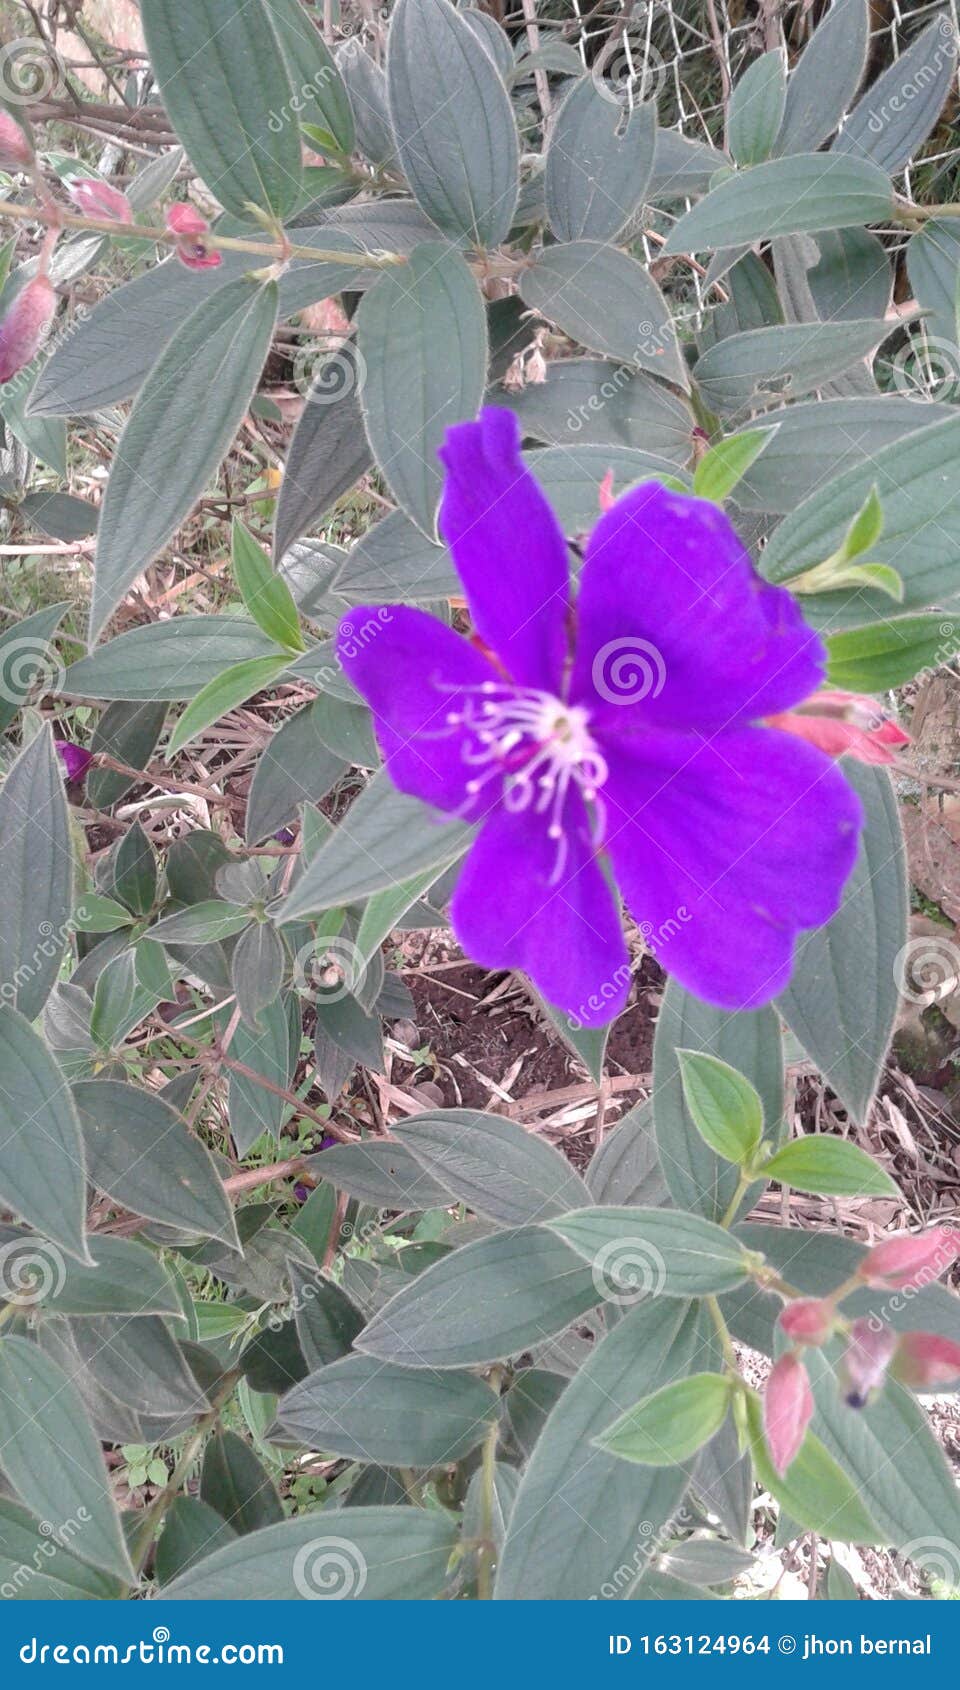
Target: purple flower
{"x": 76, "y": 761}
{"x": 635, "y": 747}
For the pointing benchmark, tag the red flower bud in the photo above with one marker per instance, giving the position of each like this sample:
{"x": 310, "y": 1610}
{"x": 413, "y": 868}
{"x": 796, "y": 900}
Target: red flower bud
{"x": 808, "y": 1320}
{"x": 25, "y": 325}
{"x": 866, "y": 1358}
{"x": 923, "y": 1359}
{"x": 914, "y": 1259}
{"x": 186, "y": 223}
{"x": 787, "y": 1410}
{"x": 98, "y": 199}
{"x": 16, "y": 153}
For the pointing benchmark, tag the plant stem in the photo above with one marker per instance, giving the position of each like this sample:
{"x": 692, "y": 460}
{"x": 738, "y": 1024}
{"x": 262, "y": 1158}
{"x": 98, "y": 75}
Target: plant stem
{"x": 743, "y": 1184}
{"x": 171, "y": 1490}
{"x": 723, "y": 1334}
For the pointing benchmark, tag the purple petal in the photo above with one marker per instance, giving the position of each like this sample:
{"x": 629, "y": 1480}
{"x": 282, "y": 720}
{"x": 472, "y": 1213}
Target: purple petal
{"x": 412, "y": 670}
{"x": 508, "y": 547}
{"x": 726, "y": 849}
{"x": 675, "y": 628}
{"x": 76, "y": 761}
{"x": 568, "y": 938}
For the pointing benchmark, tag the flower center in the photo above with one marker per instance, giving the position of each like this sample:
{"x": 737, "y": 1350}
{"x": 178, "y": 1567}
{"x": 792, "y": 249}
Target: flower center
{"x": 538, "y": 746}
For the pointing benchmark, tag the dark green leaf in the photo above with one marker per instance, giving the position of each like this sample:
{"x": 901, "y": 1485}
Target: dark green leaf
{"x": 783, "y": 197}
{"x": 608, "y": 302}
{"x": 933, "y": 265}
{"x": 135, "y": 871}
{"x": 126, "y": 1279}
{"x": 319, "y": 96}
{"x": 493, "y": 1165}
{"x": 625, "y": 1169}
{"x": 28, "y": 660}
{"x": 166, "y": 660}
{"x": 326, "y": 1318}
{"x": 129, "y": 733}
{"x": 328, "y": 452}
{"x": 29, "y": 1572}
{"x": 825, "y": 78}
{"x": 592, "y": 400}
{"x": 599, "y": 162}
{"x": 397, "y": 1416}
{"x": 815, "y": 1491}
{"x": 191, "y": 1531}
{"x": 382, "y": 1172}
{"x": 42, "y": 1169}
{"x": 237, "y": 1485}
{"x": 294, "y": 768}
{"x": 36, "y": 868}
{"x": 256, "y": 970}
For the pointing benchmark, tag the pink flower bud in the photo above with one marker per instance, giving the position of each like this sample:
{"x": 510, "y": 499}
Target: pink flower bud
{"x": 845, "y": 722}
{"x": 98, "y": 199}
{"x": 914, "y": 1259}
{"x": 866, "y": 1358}
{"x": 923, "y": 1359}
{"x": 16, "y": 153}
{"x": 787, "y": 1409}
{"x": 186, "y": 223}
{"x": 808, "y": 1320}
{"x": 25, "y": 325}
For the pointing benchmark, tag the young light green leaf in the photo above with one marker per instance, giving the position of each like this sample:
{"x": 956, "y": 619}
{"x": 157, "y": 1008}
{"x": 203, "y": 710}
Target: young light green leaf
{"x": 814, "y": 1491}
{"x": 726, "y": 1108}
{"x": 266, "y": 595}
{"x": 726, "y": 463}
{"x": 223, "y": 694}
{"x": 671, "y": 1425}
{"x": 889, "y": 653}
{"x": 829, "y": 1167}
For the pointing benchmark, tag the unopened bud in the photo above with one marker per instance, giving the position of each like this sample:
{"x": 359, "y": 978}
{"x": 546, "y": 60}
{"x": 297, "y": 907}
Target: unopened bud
{"x": 191, "y": 229}
{"x": 787, "y": 1410}
{"x": 24, "y": 328}
{"x": 924, "y": 1359}
{"x": 866, "y": 1359}
{"x": 808, "y": 1320}
{"x": 916, "y": 1258}
{"x": 16, "y": 153}
{"x": 99, "y": 199}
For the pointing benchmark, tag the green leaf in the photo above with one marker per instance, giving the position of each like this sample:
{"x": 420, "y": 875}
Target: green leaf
{"x": 141, "y": 1153}
{"x": 460, "y": 152}
{"x": 608, "y": 302}
{"x": 887, "y": 654}
{"x": 756, "y": 109}
{"x": 356, "y": 1554}
{"x": 671, "y": 1425}
{"x": 384, "y": 838}
{"x": 125, "y": 1279}
{"x": 224, "y": 694}
{"x": 42, "y": 1169}
{"x": 381, "y": 1172}
{"x": 829, "y": 1167}
{"x": 27, "y": 659}
{"x": 256, "y": 970}
{"x": 484, "y": 1302}
{"x": 825, "y": 78}
{"x": 636, "y": 1253}
{"x": 328, "y": 452}
{"x": 237, "y": 1485}
{"x": 422, "y": 339}
{"x": 899, "y": 110}
{"x": 191, "y": 1531}
{"x": 140, "y": 1364}
{"x": 750, "y": 1042}
{"x": 852, "y": 277}
{"x": 135, "y": 871}
{"x": 786, "y": 196}
{"x": 199, "y": 391}
{"x": 762, "y": 366}
{"x": 294, "y": 768}
{"x": 327, "y": 1320}
{"x": 225, "y": 85}
{"x": 625, "y": 1169}
{"x": 573, "y": 1533}
{"x": 814, "y": 1491}
{"x": 266, "y": 596}
{"x": 842, "y": 999}
{"x": 204, "y": 923}
{"x": 166, "y": 661}
{"x": 599, "y": 163}
{"x": 725, "y": 464}
{"x": 597, "y": 401}
{"x": 97, "y": 914}
{"x": 493, "y": 1165}
{"x": 364, "y": 1410}
{"x": 933, "y": 265}
{"x": 725, "y": 1107}
{"x": 253, "y": 1109}
{"x": 36, "y": 870}
{"x": 319, "y": 95}
{"x": 51, "y": 1456}
{"x": 32, "y": 1573}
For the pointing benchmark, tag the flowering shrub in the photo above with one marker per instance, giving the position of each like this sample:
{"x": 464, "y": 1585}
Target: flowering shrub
{"x": 666, "y": 505}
